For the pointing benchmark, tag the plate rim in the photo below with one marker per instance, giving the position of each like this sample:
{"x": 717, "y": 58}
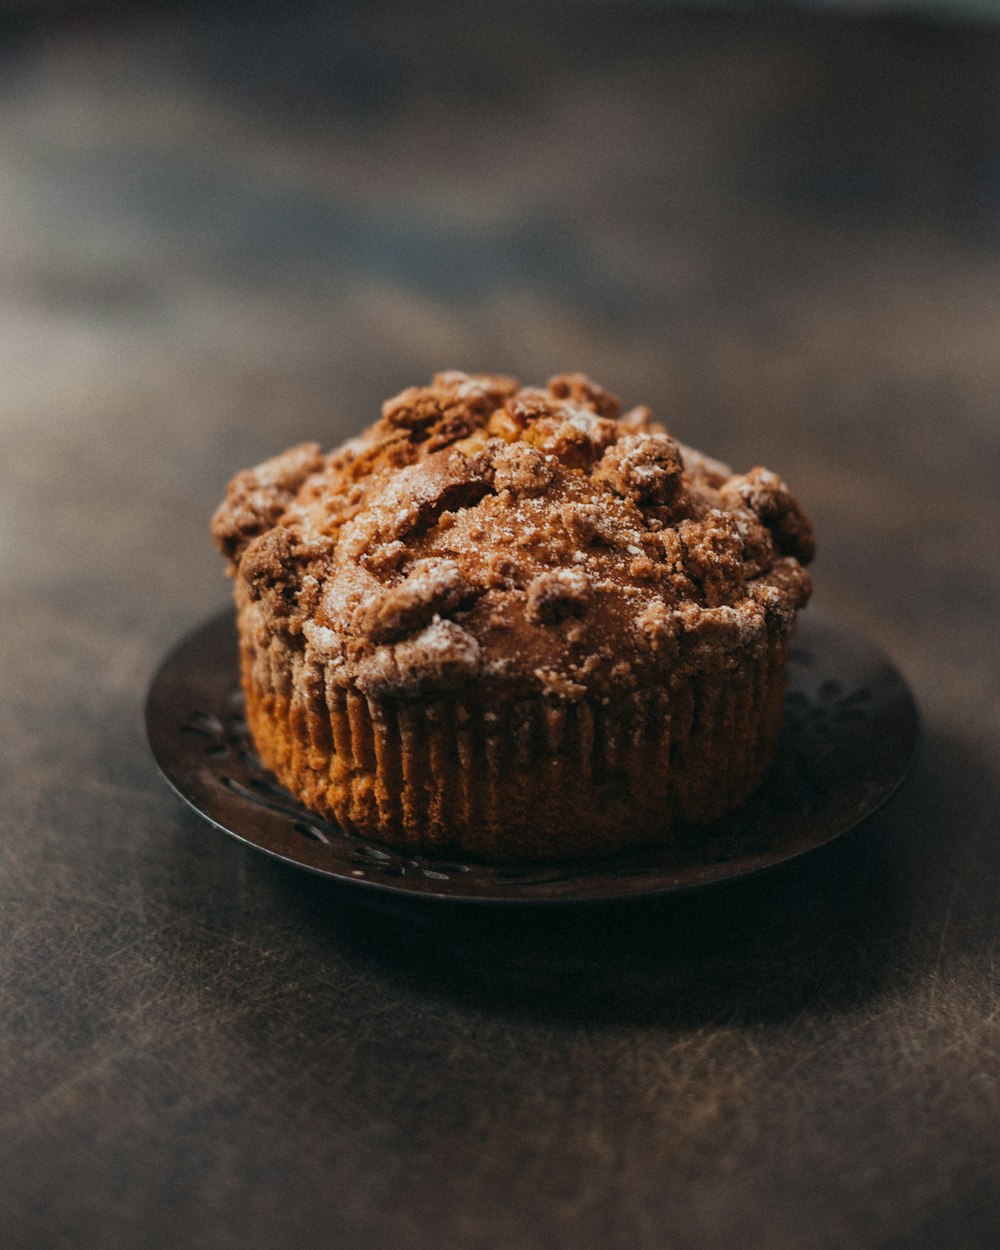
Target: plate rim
{"x": 401, "y": 889}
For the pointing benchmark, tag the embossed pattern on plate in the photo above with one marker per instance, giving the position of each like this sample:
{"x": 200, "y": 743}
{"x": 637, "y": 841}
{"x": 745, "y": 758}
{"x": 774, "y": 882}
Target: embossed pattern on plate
{"x": 850, "y": 732}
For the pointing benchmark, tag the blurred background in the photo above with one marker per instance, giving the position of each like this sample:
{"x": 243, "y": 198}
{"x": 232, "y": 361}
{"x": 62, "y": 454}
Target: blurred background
{"x": 225, "y": 228}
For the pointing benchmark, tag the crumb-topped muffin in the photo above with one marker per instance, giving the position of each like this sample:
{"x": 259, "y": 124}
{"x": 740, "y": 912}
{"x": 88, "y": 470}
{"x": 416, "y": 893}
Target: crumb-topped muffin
{"x": 514, "y": 623}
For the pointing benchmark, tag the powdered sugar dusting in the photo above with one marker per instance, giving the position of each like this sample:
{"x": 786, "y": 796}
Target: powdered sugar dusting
{"x": 525, "y": 540}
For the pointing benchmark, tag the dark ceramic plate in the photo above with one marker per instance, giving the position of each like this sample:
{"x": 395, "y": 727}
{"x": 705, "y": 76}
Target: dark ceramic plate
{"x": 850, "y": 732}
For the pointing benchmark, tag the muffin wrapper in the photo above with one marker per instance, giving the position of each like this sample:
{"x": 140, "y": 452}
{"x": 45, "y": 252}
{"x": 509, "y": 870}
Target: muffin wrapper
{"x": 532, "y": 779}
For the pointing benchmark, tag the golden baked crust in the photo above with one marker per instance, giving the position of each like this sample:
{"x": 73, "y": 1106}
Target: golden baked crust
{"x": 496, "y": 593}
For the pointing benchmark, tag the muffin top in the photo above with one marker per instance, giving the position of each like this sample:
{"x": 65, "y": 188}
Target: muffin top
{"x": 518, "y": 541}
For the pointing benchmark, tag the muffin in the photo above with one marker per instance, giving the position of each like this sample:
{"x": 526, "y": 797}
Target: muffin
{"x": 514, "y": 623}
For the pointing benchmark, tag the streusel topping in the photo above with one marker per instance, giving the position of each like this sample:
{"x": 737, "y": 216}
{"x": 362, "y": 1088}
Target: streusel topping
{"x": 532, "y": 540}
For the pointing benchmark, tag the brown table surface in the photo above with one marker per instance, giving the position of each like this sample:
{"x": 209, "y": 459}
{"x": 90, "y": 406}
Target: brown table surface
{"x": 224, "y": 233}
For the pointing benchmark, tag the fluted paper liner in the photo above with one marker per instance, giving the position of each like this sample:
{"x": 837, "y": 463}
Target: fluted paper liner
{"x": 531, "y": 779}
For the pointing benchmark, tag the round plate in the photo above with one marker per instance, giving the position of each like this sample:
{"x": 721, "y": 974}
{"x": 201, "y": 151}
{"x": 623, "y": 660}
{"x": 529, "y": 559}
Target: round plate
{"x": 850, "y": 732}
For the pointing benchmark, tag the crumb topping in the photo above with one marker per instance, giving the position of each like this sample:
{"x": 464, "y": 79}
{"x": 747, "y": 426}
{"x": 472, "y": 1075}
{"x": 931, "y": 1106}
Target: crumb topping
{"x": 528, "y": 539}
